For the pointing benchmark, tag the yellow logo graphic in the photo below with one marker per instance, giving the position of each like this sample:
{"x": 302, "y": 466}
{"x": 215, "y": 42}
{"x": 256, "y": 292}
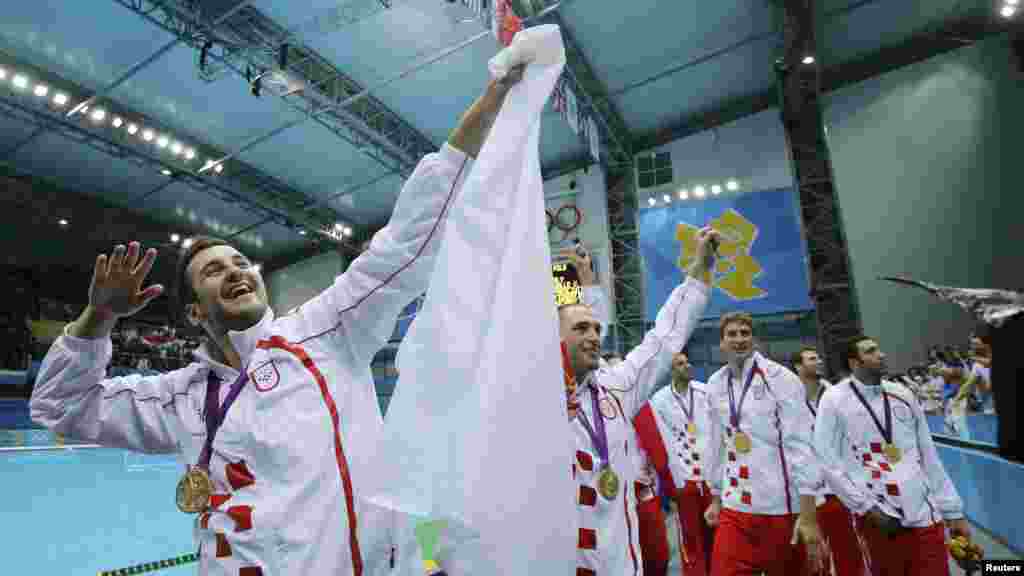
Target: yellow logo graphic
{"x": 565, "y": 292}
{"x": 736, "y": 269}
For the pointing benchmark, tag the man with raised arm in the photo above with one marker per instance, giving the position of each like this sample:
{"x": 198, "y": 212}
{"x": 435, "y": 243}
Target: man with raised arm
{"x": 276, "y": 419}
{"x": 609, "y": 397}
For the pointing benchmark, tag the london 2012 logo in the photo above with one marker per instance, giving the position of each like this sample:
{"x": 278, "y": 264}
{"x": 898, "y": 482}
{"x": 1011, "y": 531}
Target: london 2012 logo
{"x": 736, "y": 270}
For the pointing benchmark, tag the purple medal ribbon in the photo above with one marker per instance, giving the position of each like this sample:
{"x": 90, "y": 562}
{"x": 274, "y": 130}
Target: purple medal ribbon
{"x": 689, "y": 413}
{"x": 600, "y": 438}
{"x": 215, "y": 414}
{"x": 734, "y": 411}
{"x": 887, "y": 429}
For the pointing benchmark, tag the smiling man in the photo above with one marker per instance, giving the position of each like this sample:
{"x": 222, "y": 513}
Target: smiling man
{"x": 277, "y": 418}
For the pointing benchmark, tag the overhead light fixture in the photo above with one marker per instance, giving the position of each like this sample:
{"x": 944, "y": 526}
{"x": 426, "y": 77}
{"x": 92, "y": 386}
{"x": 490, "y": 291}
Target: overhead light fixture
{"x": 98, "y": 115}
{"x": 302, "y": 232}
{"x": 347, "y": 231}
{"x": 147, "y": 134}
{"x": 3, "y": 74}
{"x": 808, "y": 60}
{"x": 187, "y": 243}
{"x": 41, "y": 90}
{"x": 652, "y": 201}
{"x": 218, "y": 168}
{"x": 165, "y": 172}
{"x": 117, "y": 122}
{"x": 1008, "y": 10}
{"x": 716, "y": 189}
{"x": 60, "y": 99}
{"x": 162, "y": 141}
{"x": 667, "y": 198}
{"x": 732, "y": 185}
{"x": 698, "y": 191}
{"x": 683, "y": 194}
{"x": 63, "y": 222}
{"x": 176, "y": 148}
{"x": 189, "y": 153}
{"x": 19, "y": 81}
{"x": 175, "y": 238}
{"x": 132, "y": 129}
{"x": 1011, "y": 2}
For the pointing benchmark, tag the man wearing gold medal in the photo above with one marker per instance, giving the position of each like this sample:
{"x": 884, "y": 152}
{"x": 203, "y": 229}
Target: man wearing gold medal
{"x": 879, "y": 459}
{"x": 609, "y": 397}
{"x": 672, "y": 427}
{"x": 763, "y": 498}
{"x": 277, "y": 418}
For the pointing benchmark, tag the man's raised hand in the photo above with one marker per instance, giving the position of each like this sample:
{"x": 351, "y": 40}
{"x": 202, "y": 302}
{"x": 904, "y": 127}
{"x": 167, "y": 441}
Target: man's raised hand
{"x": 116, "y": 288}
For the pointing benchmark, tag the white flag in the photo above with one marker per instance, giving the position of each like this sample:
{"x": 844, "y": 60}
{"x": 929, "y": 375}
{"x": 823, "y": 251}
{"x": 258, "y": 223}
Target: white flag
{"x": 477, "y": 432}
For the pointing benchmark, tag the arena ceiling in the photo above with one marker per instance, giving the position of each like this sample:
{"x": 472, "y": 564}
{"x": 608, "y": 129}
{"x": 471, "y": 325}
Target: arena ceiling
{"x": 158, "y": 123}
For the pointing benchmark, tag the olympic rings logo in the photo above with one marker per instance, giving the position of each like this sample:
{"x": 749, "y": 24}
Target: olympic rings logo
{"x": 567, "y": 219}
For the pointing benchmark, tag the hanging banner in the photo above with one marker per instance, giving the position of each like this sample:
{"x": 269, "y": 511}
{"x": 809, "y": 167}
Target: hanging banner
{"x": 761, "y": 267}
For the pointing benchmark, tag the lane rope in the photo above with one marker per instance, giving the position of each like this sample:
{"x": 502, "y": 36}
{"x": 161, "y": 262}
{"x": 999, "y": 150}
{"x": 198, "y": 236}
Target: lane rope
{"x": 152, "y": 566}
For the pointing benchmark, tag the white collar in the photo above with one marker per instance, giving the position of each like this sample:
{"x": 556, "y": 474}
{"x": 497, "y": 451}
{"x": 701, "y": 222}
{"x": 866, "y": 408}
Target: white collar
{"x": 244, "y": 342}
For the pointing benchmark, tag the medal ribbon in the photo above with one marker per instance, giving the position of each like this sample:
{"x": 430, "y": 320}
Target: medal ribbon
{"x": 735, "y": 411}
{"x": 215, "y": 414}
{"x": 689, "y": 413}
{"x": 885, "y": 430}
{"x": 600, "y": 437}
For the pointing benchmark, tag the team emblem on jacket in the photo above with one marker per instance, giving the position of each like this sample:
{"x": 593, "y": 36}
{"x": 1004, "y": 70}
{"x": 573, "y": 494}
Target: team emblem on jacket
{"x": 607, "y": 408}
{"x": 265, "y": 376}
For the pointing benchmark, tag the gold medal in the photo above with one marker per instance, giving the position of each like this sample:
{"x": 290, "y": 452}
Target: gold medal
{"x": 194, "y": 491}
{"x": 691, "y": 429}
{"x": 893, "y": 453}
{"x": 608, "y": 483}
{"x": 742, "y": 442}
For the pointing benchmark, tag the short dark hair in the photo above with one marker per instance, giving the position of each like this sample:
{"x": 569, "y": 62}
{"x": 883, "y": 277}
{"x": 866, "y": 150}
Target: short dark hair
{"x": 798, "y": 356}
{"x": 184, "y": 293}
{"x": 852, "y": 349}
{"x": 734, "y": 318}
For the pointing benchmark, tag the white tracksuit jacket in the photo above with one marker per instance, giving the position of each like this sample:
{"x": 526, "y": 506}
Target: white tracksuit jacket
{"x": 916, "y": 490}
{"x": 288, "y": 459}
{"x": 609, "y": 538}
{"x": 685, "y": 452}
{"x": 781, "y": 465}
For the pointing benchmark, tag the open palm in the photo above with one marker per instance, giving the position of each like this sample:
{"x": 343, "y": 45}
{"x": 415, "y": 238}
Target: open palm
{"x": 117, "y": 281}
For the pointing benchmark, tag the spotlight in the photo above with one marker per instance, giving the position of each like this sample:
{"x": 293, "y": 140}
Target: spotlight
{"x": 698, "y": 191}
{"x": 165, "y": 172}
{"x": 189, "y": 154}
{"x": 1008, "y": 11}
{"x": 117, "y": 122}
{"x": 19, "y": 81}
{"x": 347, "y": 231}
{"x": 716, "y": 189}
{"x": 41, "y": 90}
{"x": 808, "y": 60}
{"x": 732, "y": 185}
{"x": 176, "y": 148}
{"x": 218, "y": 168}
{"x": 175, "y": 238}
{"x": 162, "y": 141}
{"x": 147, "y": 134}
{"x": 257, "y": 268}
{"x": 63, "y": 222}
{"x": 302, "y": 232}
{"x": 132, "y": 129}
{"x": 60, "y": 99}
{"x": 98, "y": 115}
{"x": 3, "y": 74}
{"x": 683, "y": 194}
{"x": 652, "y": 201}
{"x": 1011, "y": 3}
{"x": 667, "y": 198}
{"x": 187, "y": 243}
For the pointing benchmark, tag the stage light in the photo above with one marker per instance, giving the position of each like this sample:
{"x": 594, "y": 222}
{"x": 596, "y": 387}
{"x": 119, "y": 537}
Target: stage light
{"x": 147, "y": 134}
{"x": 1011, "y": 3}
{"x": 19, "y": 81}
{"x": 698, "y": 191}
{"x": 652, "y": 201}
{"x": 667, "y": 198}
{"x": 41, "y": 90}
{"x": 63, "y": 222}
{"x": 165, "y": 172}
{"x": 218, "y": 168}
{"x": 716, "y": 189}
{"x": 732, "y": 185}
{"x": 162, "y": 141}
{"x": 347, "y": 231}
{"x": 117, "y": 122}
{"x": 187, "y": 243}
{"x": 175, "y": 238}
{"x": 683, "y": 194}
{"x": 302, "y": 232}
{"x": 3, "y": 74}
{"x": 98, "y": 115}
{"x": 189, "y": 154}
{"x": 60, "y": 99}
{"x": 808, "y": 60}
{"x": 257, "y": 268}
{"x": 176, "y": 148}
{"x": 132, "y": 129}
{"x": 1008, "y": 11}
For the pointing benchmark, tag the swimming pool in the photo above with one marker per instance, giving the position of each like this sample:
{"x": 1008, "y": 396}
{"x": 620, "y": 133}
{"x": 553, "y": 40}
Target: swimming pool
{"x": 85, "y": 510}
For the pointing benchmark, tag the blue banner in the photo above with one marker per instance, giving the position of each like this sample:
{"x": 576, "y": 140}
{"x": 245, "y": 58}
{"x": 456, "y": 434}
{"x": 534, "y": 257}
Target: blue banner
{"x": 761, "y": 269}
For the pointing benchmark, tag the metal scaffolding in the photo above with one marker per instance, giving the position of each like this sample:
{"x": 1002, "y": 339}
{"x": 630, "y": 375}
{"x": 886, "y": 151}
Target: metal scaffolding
{"x": 831, "y": 278}
{"x": 273, "y": 59}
